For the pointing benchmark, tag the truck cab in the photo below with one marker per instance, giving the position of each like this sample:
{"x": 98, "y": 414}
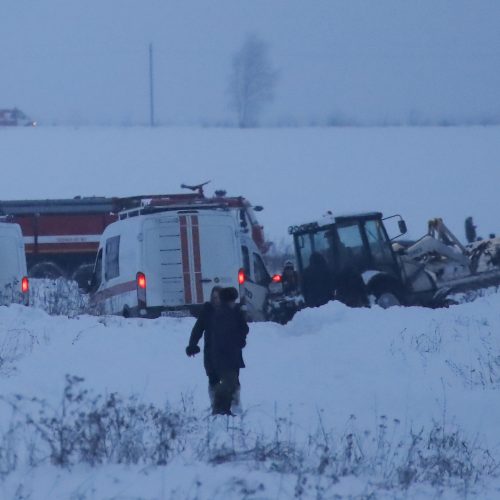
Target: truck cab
{"x": 358, "y": 258}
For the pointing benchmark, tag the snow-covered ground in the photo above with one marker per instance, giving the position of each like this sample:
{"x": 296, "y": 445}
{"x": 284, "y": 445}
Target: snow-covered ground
{"x": 399, "y": 403}
{"x": 297, "y": 174}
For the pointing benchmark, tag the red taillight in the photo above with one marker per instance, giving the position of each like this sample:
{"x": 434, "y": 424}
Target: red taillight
{"x": 141, "y": 281}
{"x": 25, "y": 285}
{"x": 277, "y": 278}
{"x": 241, "y": 276}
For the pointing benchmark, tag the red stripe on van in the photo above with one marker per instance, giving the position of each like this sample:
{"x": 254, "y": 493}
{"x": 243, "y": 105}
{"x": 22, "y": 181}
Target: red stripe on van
{"x": 61, "y": 248}
{"x": 185, "y": 260}
{"x": 197, "y": 259}
{"x": 128, "y": 286}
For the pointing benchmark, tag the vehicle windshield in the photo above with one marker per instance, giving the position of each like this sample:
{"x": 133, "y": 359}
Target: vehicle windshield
{"x": 318, "y": 242}
{"x": 351, "y": 252}
{"x": 358, "y": 244}
{"x": 378, "y": 243}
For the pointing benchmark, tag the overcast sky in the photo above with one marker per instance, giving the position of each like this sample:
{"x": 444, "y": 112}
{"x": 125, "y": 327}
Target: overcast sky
{"x": 85, "y": 61}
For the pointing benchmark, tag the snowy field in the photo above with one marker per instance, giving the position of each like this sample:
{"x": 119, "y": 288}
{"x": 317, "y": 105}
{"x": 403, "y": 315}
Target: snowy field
{"x": 296, "y": 174}
{"x": 339, "y": 403}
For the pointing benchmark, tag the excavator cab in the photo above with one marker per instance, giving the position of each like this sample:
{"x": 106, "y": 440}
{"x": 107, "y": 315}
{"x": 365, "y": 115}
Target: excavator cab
{"x": 349, "y": 246}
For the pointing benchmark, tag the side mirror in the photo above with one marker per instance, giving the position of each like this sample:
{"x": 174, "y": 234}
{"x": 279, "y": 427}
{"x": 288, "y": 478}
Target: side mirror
{"x": 402, "y": 226}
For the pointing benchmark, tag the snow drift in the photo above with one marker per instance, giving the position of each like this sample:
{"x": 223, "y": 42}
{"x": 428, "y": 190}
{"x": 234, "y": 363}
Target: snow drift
{"x": 339, "y": 401}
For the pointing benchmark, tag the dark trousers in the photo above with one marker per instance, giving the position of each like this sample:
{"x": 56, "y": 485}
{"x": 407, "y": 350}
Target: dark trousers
{"x": 214, "y": 379}
{"x": 225, "y": 391}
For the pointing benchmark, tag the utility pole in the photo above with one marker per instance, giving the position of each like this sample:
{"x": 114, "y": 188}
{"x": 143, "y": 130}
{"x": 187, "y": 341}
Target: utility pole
{"x": 151, "y": 88}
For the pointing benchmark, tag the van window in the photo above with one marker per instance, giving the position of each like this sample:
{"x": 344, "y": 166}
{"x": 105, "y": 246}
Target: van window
{"x": 97, "y": 276}
{"x": 246, "y": 260}
{"x": 261, "y": 275}
{"x": 112, "y": 262}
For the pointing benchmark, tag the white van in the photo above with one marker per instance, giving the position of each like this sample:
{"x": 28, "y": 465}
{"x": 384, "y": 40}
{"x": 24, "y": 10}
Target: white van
{"x": 167, "y": 261}
{"x": 14, "y": 284}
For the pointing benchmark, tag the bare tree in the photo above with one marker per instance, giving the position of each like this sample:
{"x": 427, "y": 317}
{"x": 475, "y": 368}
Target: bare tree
{"x": 252, "y": 81}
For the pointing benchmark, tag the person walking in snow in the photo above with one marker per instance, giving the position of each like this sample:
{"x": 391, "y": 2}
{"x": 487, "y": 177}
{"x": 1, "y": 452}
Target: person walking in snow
{"x": 229, "y": 330}
{"x": 202, "y": 329}
{"x": 470, "y": 230}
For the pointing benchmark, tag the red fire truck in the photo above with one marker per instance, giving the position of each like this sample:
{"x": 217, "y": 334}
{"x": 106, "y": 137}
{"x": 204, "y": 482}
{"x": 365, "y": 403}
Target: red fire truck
{"x": 62, "y": 235}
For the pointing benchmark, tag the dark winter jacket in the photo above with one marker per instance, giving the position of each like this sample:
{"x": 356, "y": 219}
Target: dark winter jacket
{"x": 202, "y": 328}
{"x": 228, "y": 337}
{"x": 290, "y": 281}
{"x": 317, "y": 282}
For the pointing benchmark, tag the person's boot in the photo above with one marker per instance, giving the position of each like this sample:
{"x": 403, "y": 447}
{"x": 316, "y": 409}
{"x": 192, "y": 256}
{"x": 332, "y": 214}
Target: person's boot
{"x": 236, "y": 407}
{"x": 222, "y": 400}
{"x": 219, "y": 407}
{"x": 211, "y": 396}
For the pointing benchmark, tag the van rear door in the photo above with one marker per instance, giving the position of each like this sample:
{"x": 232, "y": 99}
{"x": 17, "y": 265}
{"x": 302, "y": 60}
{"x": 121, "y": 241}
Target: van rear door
{"x": 10, "y": 272}
{"x": 187, "y": 255}
{"x": 12, "y": 263}
{"x": 163, "y": 258}
{"x": 219, "y": 247}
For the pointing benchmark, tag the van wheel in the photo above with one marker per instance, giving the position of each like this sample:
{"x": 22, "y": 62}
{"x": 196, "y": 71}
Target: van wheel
{"x": 82, "y": 275}
{"x": 387, "y": 299}
{"x": 126, "y": 312}
{"x": 47, "y": 270}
